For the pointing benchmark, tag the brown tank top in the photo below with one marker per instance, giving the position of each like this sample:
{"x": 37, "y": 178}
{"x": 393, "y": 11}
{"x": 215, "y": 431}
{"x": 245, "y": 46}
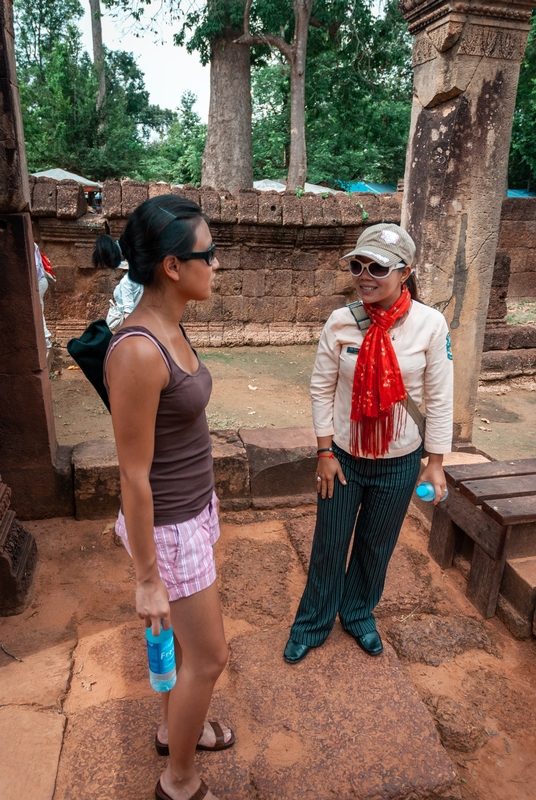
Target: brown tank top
{"x": 181, "y": 477}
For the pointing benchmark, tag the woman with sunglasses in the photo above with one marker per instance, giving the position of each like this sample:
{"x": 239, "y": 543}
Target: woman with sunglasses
{"x": 369, "y": 448}
{"x": 168, "y": 521}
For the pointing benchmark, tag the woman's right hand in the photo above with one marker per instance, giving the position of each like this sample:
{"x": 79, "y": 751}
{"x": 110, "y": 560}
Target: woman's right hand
{"x": 327, "y": 470}
{"x": 152, "y": 604}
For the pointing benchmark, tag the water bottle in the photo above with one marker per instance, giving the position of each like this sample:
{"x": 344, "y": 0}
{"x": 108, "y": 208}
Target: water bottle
{"x": 161, "y": 652}
{"x": 426, "y": 492}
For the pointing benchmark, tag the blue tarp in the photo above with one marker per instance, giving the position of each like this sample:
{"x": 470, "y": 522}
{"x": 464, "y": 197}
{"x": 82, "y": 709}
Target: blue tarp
{"x": 520, "y": 193}
{"x": 369, "y": 186}
{"x": 390, "y": 188}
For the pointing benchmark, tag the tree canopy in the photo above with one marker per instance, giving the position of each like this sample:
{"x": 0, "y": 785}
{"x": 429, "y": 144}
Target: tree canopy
{"x": 522, "y": 164}
{"x": 58, "y": 89}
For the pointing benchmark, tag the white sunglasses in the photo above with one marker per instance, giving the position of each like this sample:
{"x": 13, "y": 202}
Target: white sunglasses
{"x": 374, "y": 269}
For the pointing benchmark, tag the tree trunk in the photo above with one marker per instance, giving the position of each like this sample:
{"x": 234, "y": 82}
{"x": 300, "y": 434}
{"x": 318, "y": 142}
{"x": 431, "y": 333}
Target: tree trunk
{"x": 228, "y": 158}
{"x": 98, "y": 53}
{"x": 297, "y": 168}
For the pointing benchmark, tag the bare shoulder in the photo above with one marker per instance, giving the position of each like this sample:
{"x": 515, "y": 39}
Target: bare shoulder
{"x": 137, "y": 360}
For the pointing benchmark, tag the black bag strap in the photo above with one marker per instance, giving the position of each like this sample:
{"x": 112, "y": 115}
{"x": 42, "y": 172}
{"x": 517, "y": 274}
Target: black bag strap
{"x": 363, "y": 323}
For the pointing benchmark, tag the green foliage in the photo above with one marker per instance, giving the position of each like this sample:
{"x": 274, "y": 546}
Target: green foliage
{"x": 358, "y": 98}
{"x": 177, "y": 157}
{"x": 522, "y": 163}
{"x": 58, "y": 89}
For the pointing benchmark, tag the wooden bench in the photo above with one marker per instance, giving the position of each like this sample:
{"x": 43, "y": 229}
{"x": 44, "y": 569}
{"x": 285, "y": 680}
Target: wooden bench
{"x": 494, "y": 503}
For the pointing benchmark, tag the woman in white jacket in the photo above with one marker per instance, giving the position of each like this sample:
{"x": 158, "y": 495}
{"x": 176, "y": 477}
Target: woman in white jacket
{"x": 369, "y": 448}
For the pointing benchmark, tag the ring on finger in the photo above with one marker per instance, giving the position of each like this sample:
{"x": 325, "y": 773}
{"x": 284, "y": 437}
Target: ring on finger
{"x": 318, "y": 478}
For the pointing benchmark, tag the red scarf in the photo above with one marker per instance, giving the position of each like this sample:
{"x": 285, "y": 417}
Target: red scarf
{"x": 378, "y": 385}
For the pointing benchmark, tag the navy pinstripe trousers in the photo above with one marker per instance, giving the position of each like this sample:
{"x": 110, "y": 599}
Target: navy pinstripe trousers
{"x": 378, "y": 493}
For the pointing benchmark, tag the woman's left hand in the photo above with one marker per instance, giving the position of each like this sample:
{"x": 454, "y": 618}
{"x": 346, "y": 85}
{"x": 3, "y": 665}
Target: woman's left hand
{"x": 433, "y": 473}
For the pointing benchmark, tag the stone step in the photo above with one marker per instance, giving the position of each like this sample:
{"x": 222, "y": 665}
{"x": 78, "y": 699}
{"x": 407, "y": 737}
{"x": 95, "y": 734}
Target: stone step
{"x": 517, "y": 598}
{"x": 260, "y": 467}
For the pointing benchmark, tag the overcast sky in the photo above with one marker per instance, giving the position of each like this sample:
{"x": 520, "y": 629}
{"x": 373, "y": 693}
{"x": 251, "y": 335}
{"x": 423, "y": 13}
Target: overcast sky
{"x": 169, "y": 70}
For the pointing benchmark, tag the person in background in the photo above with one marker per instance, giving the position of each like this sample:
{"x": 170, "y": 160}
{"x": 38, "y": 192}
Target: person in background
{"x": 127, "y": 293}
{"x": 158, "y": 392}
{"x": 369, "y": 448}
{"x": 45, "y": 276}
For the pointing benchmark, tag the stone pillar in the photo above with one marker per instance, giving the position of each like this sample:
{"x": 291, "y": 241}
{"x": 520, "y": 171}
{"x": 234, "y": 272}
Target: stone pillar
{"x": 37, "y": 471}
{"x": 466, "y": 58}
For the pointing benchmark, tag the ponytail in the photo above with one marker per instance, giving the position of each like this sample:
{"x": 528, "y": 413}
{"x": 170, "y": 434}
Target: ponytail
{"x": 411, "y": 284}
{"x": 107, "y": 252}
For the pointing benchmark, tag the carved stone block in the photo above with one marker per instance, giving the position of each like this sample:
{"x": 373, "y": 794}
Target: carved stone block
{"x": 133, "y": 194}
{"x": 159, "y": 188}
{"x": 44, "y": 198}
{"x": 111, "y": 200}
{"x": 248, "y": 207}
{"x": 71, "y": 201}
{"x": 18, "y": 559}
{"x": 210, "y": 203}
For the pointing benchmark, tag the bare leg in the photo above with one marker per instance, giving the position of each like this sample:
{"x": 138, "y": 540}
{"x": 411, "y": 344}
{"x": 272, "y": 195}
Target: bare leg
{"x": 198, "y": 626}
{"x": 208, "y": 736}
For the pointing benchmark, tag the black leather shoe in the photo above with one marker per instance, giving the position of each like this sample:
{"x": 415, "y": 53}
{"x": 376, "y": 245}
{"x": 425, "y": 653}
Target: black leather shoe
{"x": 370, "y": 643}
{"x": 294, "y": 651}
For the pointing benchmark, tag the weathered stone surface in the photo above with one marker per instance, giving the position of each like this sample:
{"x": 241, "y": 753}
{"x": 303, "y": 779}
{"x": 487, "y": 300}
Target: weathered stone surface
{"x": 459, "y": 726}
{"x": 188, "y": 191}
{"x": 390, "y": 205}
{"x": 387, "y": 737}
{"x": 497, "y": 338}
{"x": 312, "y": 209}
{"x": 111, "y": 199}
{"x": 34, "y": 739}
{"x": 518, "y": 588}
{"x": 157, "y": 189}
{"x": 18, "y": 560}
{"x": 247, "y": 206}
{"x": 52, "y": 658}
{"x": 210, "y": 203}
{"x": 96, "y": 479}
{"x": 499, "y": 364}
{"x": 270, "y": 208}
{"x": 522, "y": 337}
{"x": 456, "y": 170}
{"x": 109, "y": 751}
{"x": 516, "y": 208}
{"x": 133, "y": 194}
{"x": 228, "y": 208}
{"x": 231, "y": 474}
{"x": 433, "y": 639}
{"x": 512, "y": 619}
{"x": 331, "y": 212}
{"x": 14, "y": 187}
{"x": 407, "y": 585}
{"x": 292, "y": 209}
{"x": 71, "y": 200}
{"x": 281, "y": 461}
{"x": 254, "y": 582}
{"x": 44, "y": 197}
{"x": 27, "y": 463}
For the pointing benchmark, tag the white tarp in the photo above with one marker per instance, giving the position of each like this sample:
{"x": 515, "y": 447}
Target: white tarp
{"x": 267, "y": 185}
{"x": 63, "y": 175}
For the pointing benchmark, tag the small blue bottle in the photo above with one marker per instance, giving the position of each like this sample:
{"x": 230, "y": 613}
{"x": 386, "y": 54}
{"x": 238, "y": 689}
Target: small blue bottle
{"x": 426, "y": 492}
{"x": 161, "y": 652}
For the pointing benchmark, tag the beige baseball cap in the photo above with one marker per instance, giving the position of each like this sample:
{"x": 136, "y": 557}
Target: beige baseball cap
{"x": 386, "y": 243}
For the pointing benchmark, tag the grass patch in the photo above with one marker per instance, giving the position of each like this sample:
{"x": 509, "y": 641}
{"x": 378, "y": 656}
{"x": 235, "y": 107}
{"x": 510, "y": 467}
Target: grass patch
{"x": 522, "y": 312}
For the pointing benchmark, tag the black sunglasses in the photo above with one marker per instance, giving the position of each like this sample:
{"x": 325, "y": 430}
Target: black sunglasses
{"x": 207, "y": 255}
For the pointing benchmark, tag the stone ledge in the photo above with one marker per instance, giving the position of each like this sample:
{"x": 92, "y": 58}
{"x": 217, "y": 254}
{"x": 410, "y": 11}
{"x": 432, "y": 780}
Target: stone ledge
{"x": 502, "y": 364}
{"x": 262, "y": 467}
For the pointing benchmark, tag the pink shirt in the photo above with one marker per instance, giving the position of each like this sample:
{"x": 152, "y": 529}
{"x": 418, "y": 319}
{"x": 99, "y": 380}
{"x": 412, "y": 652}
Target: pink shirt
{"x": 422, "y": 345}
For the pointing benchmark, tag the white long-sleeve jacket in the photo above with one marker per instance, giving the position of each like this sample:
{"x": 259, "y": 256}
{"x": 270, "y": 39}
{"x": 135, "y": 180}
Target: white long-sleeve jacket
{"x": 422, "y": 346}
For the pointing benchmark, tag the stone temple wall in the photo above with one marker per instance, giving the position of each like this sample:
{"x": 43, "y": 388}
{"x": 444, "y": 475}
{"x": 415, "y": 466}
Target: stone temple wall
{"x": 280, "y": 274}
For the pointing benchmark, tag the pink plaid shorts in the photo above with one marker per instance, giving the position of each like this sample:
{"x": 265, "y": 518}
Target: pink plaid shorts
{"x": 183, "y": 551}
